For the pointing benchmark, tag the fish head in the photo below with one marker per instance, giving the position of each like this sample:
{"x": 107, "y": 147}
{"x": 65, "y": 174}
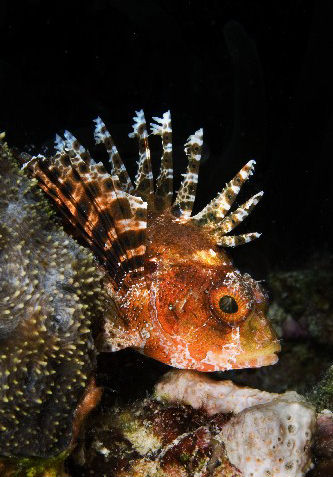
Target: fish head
{"x": 206, "y": 315}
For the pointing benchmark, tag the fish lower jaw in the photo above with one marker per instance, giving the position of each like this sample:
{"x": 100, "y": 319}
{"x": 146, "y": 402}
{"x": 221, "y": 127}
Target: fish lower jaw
{"x": 254, "y": 359}
{"x": 257, "y": 361}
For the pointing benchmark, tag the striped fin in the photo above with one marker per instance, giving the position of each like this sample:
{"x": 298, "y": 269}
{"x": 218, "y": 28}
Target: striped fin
{"x": 68, "y": 194}
{"x": 235, "y": 218}
{"x": 216, "y": 221}
{"x": 183, "y": 204}
{"x": 102, "y": 136}
{"x": 220, "y": 206}
{"x": 131, "y": 231}
{"x": 144, "y": 184}
{"x": 95, "y": 205}
{"x": 72, "y": 146}
{"x": 235, "y": 240}
{"x": 164, "y": 182}
{"x": 62, "y": 192}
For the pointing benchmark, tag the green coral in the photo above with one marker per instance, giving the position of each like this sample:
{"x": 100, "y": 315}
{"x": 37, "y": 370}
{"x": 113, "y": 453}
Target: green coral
{"x": 322, "y": 394}
{"x": 34, "y": 467}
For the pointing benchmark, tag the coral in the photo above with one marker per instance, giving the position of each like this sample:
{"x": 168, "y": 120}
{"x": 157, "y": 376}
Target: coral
{"x": 201, "y": 392}
{"x": 303, "y": 305}
{"x": 269, "y": 435}
{"x": 322, "y": 393}
{"x": 49, "y": 294}
{"x": 195, "y": 426}
{"x": 273, "y": 439}
{"x": 153, "y": 438}
{"x": 33, "y": 467}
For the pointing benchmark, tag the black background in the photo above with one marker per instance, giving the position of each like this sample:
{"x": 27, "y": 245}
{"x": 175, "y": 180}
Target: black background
{"x": 256, "y": 75}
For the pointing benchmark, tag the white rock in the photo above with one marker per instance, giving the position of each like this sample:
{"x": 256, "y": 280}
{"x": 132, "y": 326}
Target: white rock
{"x": 272, "y": 439}
{"x": 270, "y": 435}
{"x": 201, "y": 392}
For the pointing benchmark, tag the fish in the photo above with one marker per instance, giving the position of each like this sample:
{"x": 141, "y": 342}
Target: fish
{"x": 175, "y": 294}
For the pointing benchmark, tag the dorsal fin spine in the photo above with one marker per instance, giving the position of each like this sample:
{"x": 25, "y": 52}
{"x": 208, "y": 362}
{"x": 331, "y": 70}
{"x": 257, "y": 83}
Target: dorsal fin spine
{"x": 92, "y": 204}
{"x": 164, "y": 183}
{"x": 102, "y": 136}
{"x": 185, "y": 198}
{"x": 144, "y": 183}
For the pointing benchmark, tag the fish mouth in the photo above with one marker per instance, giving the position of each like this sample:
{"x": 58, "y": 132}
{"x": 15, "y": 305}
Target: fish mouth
{"x": 217, "y": 361}
{"x": 265, "y": 356}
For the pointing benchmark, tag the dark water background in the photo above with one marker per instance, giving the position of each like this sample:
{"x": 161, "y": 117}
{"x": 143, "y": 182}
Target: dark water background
{"x": 256, "y": 75}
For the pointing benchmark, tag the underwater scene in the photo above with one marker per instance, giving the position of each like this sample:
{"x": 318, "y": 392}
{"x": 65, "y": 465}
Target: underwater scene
{"x": 166, "y": 277}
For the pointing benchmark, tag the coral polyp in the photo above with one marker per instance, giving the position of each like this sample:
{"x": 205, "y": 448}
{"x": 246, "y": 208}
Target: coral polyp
{"x": 48, "y": 297}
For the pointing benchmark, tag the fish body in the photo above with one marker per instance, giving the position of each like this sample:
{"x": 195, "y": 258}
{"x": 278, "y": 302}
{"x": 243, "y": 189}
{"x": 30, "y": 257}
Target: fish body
{"x": 174, "y": 313}
{"x": 176, "y": 295}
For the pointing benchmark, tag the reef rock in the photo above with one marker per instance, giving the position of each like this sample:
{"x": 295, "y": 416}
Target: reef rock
{"x": 271, "y": 435}
{"x": 201, "y": 392}
{"x": 292, "y": 312}
{"x": 273, "y": 439}
{"x": 196, "y": 426}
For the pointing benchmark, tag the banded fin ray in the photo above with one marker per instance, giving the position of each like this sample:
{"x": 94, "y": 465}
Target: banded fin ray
{"x": 215, "y": 218}
{"x": 109, "y": 212}
{"x": 144, "y": 183}
{"x": 115, "y": 208}
{"x": 61, "y": 192}
{"x": 183, "y": 204}
{"x": 220, "y": 206}
{"x": 88, "y": 196}
{"x": 235, "y": 218}
{"x": 102, "y": 136}
{"x": 131, "y": 226}
{"x": 164, "y": 182}
{"x": 235, "y": 240}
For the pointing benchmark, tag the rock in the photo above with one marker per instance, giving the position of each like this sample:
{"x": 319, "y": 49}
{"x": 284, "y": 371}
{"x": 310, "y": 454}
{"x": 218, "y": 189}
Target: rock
{"x": 201, "y": 392}
{"x": 324, "y": 434}
{"x": 195, "y": 426}
{"x": 272, "y": 439}
{"x": 302, "y": 305}
{"x": 322, "y": 393}
{"x": 270, "y": 435}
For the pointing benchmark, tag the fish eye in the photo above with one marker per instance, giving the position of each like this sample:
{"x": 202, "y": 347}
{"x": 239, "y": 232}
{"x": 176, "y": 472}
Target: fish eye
{"x": 228, "y": 304}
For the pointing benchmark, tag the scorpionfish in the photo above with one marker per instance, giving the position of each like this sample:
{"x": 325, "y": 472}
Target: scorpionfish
{"x": 174, "y": 293}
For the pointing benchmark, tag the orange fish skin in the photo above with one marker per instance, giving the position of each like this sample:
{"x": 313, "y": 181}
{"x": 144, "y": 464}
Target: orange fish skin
{"x": 174, "y": 313}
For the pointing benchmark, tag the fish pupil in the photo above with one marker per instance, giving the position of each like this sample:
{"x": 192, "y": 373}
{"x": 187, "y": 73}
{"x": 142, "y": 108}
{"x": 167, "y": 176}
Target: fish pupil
{"x": 228, "y": 304}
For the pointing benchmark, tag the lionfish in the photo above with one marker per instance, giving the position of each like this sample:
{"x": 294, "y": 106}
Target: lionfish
{"x": 176, "y": 295}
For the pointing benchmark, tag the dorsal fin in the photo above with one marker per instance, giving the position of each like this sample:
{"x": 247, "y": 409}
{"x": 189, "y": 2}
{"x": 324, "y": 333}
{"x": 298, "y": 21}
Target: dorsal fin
{"x": 214, "y": 219}
{"x": 95, "y": 205}
{"x": 183, "y": 204}
{"x": 164, "y": 182}
{"x": 144, "y": 182}
{"x": 110, "y": 213}
{"x": 102, "y": 136}
{"x": 220, "y": 206}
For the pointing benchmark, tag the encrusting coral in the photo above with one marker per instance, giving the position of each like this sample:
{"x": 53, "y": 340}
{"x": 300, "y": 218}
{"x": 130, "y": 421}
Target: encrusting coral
{"x": 322, "y": 393}
{"x": 196, "y": 426}
{"x": 49, "y": 294}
